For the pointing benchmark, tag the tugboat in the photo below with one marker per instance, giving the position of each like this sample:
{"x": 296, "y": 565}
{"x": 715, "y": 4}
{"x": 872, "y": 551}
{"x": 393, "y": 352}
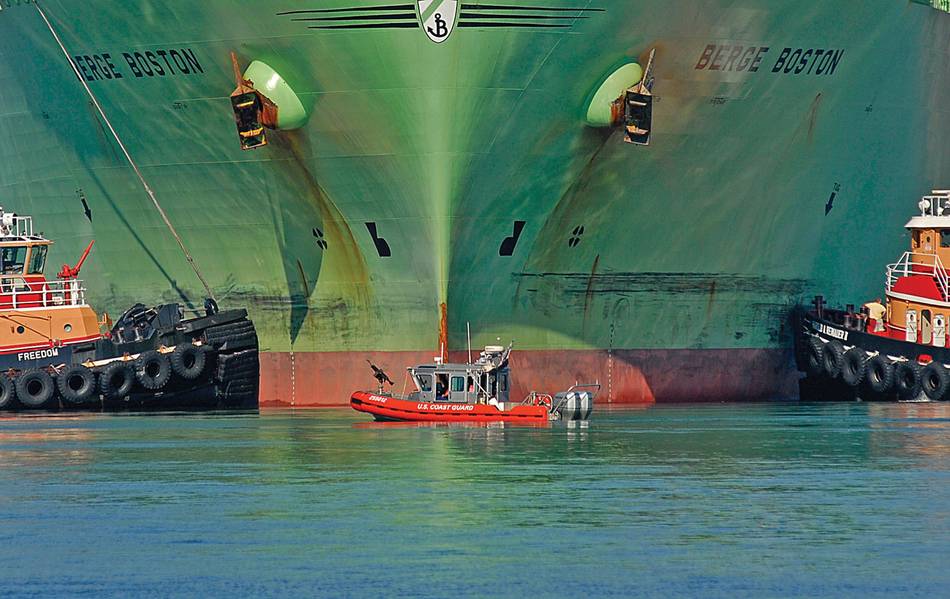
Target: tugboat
{"x": 896, "y": 349}
{"x": 471, "y": 392}
{"x": 55, "y": 355}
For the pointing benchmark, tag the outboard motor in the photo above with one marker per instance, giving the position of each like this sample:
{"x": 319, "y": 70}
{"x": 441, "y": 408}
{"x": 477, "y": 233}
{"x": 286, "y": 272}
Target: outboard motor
{"x": 574, "y": 405}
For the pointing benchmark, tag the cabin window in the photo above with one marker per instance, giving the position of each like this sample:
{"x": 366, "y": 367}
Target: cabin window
{"x": 441, "y": 384}
{"x": 37, "y": 260}
{"x": 945, "y": 238}
{"x": 425, "y": 382}
{"x": 12, "y": 259}
{"x": 503, "y": 383}
{"x": 458, "y": 384}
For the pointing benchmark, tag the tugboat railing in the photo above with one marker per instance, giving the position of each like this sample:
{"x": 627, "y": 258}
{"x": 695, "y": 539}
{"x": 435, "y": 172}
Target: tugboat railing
{"x": 12, "y": 225}
{"x": 936, "y": 204}
{"x": 49, "y": 294}
{"x": 918, "y": 264}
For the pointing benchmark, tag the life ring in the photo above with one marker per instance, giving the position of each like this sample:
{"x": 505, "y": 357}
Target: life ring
{"x": 35, "y": 388}
{"x": 116, "y": 380}
{"x": 188, "y": 360}
{"x": 854, "y": 365}
{"x": 935, "y": 380}
{"x": 907, "y": 379}
{"x": 880, "y": 374}
{"x": 152, "y": 369}
{"x": 7, "y": 392}
{"x": 813, "y": 364}
{"x": 76, "y": 384}
{"x": 544, "y": 400}
{"x": 832, "y": 358}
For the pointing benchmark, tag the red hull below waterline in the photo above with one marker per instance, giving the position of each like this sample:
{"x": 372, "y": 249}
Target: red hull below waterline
{"x": 387, "y": 408}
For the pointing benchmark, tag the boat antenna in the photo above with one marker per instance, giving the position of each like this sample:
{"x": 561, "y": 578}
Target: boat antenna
{"x": 468, "y": 334}
{"x": 148, "y": 189}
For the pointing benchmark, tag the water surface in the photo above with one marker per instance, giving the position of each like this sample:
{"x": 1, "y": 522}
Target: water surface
{"x": 712, "y": 500}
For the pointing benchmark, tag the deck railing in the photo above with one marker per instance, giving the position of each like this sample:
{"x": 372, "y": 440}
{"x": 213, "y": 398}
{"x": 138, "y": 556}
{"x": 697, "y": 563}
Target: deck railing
{"x": 19, "y": 295}
{"x": 937, "y": 203}
{"x": 917, "y": 264}
{"x": 12, "y": 225}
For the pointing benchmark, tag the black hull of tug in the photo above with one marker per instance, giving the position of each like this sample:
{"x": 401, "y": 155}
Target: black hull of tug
{"x": 906, "y": 359}
{"x": 228, "y": 379}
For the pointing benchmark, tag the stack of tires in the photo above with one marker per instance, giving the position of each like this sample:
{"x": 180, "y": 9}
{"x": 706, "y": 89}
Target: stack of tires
{"x": 238, "y": 369}
{"x": 78, "y": 386}
{"x": 876, "y": 373}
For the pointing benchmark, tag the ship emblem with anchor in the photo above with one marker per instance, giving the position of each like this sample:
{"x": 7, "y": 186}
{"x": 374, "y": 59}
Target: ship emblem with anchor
{"x": 438, "y": 18}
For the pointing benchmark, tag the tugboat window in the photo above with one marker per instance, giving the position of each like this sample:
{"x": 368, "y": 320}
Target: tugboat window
{"x": 12, "y": 259}
{"x": 945, "y": 238}
{"x": 38, "y": 260}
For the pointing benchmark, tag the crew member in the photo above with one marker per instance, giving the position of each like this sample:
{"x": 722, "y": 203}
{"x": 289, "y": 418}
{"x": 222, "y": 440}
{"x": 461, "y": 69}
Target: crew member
{"x": 876, "y": 312}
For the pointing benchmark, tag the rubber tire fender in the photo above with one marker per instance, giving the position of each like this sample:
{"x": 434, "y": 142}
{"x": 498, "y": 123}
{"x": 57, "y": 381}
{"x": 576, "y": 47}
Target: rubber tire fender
{"x": 153, "y": 370}
{"x": 120, "y": 373}
{"x": 832, "y": 358}
{"x": 35, "y": 388}
{"x": 854, "y": 366}
{"x": 72, "y": 374}
{"x": 907, "y": 379}
{"x": 879, "y": 376}
{"x": 935, "y": 380}
{"x": 189, "y": 360}
{"x": 813, "y": 364}
{"x": 7, "y": 392}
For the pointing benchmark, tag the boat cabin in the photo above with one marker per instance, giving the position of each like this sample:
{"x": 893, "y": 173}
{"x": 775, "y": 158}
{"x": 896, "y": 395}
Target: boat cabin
{"x": 487, "y": 380}
{"x": 917, "y": 287}
{"x": 33, "y": 310}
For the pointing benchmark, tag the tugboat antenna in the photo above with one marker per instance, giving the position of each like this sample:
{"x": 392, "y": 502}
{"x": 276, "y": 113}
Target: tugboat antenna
{"x": 148, "y": 190}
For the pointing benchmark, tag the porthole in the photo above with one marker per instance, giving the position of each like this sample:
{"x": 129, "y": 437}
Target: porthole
{"x": 67, "y": 327}
{"x": 20, "y": 329}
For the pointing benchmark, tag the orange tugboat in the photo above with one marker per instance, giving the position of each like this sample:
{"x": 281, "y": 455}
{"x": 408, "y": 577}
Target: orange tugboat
{"x": 898, "y": 348}
{"x": 54, "y": 353}
{"x": 471, "y": 392}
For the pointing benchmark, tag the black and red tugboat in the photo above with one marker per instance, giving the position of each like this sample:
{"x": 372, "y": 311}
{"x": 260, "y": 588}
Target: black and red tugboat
{"x": 56, "y": 353}
{"x": 895, "y": 349}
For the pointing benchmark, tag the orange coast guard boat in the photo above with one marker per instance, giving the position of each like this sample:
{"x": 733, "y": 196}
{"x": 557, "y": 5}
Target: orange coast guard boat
{"x": 471, "y": 392}
{"x": 896, "y": 349}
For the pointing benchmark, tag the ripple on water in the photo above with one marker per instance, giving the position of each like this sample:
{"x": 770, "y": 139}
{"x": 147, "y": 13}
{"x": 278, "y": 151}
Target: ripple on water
{"x": 764, "y": 499}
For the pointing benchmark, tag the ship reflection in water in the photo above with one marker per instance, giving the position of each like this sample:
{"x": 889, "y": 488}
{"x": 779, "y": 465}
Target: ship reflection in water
{"x": 771, "y": 499}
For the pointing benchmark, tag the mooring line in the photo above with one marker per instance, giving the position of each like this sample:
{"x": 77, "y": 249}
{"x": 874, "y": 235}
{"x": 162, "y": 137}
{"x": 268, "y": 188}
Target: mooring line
{"x": 148, "y": 189}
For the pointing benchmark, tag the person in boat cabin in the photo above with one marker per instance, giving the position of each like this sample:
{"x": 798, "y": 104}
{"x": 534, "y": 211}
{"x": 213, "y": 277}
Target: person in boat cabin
{"x": 876, "y": 312}
{"x": 441, "y": 386}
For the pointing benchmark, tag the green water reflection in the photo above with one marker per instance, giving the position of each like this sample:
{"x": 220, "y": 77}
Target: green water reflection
{"x": 764, "y": 500}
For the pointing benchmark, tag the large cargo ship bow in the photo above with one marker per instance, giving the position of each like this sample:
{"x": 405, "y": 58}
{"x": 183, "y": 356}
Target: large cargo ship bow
{"x": 373, "y": 176}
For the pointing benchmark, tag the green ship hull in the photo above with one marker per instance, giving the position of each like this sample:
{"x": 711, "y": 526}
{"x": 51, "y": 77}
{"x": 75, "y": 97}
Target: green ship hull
{"x": 437, "y": 185}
